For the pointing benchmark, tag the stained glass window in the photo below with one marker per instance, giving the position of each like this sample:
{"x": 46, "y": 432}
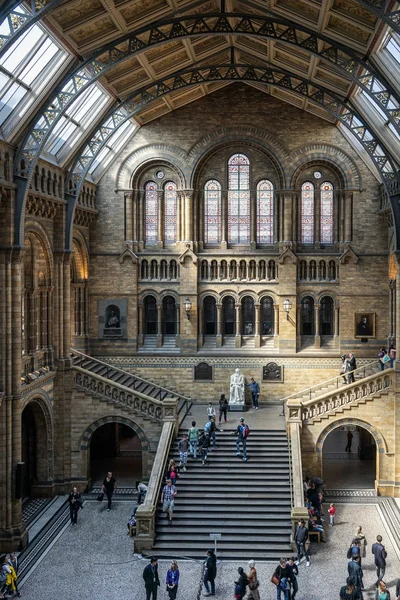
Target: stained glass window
{"x": 239, "y": 199}
{"x": 326, "y": 213}
{"x": 212, "y": 212}
{"x": 307, "y": 213}
{"x": 151, "y": 201}
{"x": 170, "y": 198}
{"x": 265, "y": 212}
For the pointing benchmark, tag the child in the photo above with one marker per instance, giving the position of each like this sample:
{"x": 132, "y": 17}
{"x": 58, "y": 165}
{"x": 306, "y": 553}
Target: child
{"x": 332, "y": 512}
{"x": 211, "y": 410}
{"x": 183, "y": 448}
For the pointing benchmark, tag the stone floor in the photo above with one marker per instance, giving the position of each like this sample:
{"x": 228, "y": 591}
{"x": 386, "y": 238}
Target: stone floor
{"x": 344, "y": 470}
{"x": 95, "y": 560}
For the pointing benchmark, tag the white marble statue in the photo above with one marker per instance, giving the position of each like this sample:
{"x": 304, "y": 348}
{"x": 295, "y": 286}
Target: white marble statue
{"x": 237, "y": 388}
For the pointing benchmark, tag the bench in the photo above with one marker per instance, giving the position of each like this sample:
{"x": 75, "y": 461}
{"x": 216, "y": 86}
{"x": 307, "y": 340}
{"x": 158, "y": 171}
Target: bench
{"x": 317, "y": 534}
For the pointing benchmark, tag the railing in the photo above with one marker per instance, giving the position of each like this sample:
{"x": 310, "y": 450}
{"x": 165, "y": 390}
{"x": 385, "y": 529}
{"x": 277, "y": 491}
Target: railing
{"x": 134, "y": 382}
{"x": 335, "y": 381}
{"x": 146, "y": 513}
{"x": 299, "y": 411}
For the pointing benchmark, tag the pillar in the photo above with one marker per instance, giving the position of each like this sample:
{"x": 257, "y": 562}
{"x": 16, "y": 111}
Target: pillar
{"x": 348, "y": 205}
{"x": 238, "y": 343}
{"x": 128, "y": 217}
{"x": 135, "y": 223}
{"x": 178, "y": 321}
{"x": 253, "y": 220}
{"x": 317, "y": 336}
{"x": 219, "y": 326}
{"x": 189, "y": 215}
{"x": 66, "y": 305}
{"x": 257, "y": 338}
{"x": 276, "y": 325}
{"x": 159, "y": 325}
{"x": 200, "y": 325}
{"x": 288, "y": 217}
{"x": 336, "y": 324}
{"x": 140, "y": 210}
{"x": 160, "y": 222}
{"x": 140, "y": 325}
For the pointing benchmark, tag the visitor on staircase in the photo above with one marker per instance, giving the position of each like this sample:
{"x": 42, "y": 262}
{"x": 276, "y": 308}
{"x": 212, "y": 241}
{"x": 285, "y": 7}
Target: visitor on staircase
{"x": 168, "y": 500}
{"x": 204, "y": 443}
{"x": 210, "y": 573}
{"x": 351, "y": 366}
{"x": 344, "y": 369}
{"x": 183, "y": 448}
{"x": 242, "y": 432}
{"x": 255, "y": 392}
{"x": 193, "y": 439}
{"x": 172, "y": 471}
{"x": 223, "y": 408}
{"x": 382, "y": 358}
{"x": 212, "y": 431}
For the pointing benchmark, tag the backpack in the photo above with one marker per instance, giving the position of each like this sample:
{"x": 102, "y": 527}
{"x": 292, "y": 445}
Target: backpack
{"x": 207, "y": 427}
{"x": 245, "y": 431}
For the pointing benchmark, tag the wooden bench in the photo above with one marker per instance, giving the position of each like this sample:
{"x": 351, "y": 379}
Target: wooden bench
{"x": 317, "y": 534}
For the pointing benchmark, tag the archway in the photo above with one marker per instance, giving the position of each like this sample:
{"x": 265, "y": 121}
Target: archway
{"x": 115, "y": 447}
{"x": 248, "y": 316}
{"x": 307, "y": 316}
{"x": 349, "y": 458}
{"x": 169, "y": 315}
{"x": 267, "y": 316}
{"x": 326, "y": 316}
{"x": 35, "y": 450}
{"x": 150, "y": 315}
{"x": 229, "y": 316}
{"x": 210, "y": 316}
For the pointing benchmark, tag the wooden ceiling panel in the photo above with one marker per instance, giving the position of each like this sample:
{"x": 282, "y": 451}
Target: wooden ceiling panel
{"x": 209, "y": 45}
{"x": 138, "y": 12}
{"x": 75, "y": 13}
{"x": 171, "y": 63}
{"x": 93, "y": 31}
{"x": 331, "y": 80}
{"x": 167, "y": 49}
{"x": 355, "y": 10}
{"x": 348, "y": 31}
{"x": 256, "y": 46}
{"x": 306, "y": 11}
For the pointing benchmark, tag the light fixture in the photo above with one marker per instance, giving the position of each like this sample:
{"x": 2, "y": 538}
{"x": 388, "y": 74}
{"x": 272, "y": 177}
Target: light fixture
{"x": 187, "y": 305}
{"x": 287, "y": 307}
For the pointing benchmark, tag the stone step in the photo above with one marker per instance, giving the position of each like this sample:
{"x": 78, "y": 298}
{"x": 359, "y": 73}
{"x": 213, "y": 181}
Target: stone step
{"x": 246, "y": 509}
{"x": 257, "y": 496}
{"x": 196, "y": 471}
{"x": 185, "y": 528}
{"x": 224, "y": 554}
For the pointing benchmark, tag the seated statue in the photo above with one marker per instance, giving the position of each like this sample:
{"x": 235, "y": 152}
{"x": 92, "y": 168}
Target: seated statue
{"x": 113, "y": 320}
{"x": 236, "y": 388}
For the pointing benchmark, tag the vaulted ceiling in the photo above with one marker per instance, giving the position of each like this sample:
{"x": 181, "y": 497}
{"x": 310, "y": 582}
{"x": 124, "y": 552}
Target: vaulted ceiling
{"x": 88, "y": 25}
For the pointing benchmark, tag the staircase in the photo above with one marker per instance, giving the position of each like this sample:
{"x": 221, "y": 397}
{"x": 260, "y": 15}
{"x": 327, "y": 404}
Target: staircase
{"x": 248, "y": 341}
{"x": 268, "y": 344}
{"x": 248, "y": 503}
{"x": 229, "y": 343}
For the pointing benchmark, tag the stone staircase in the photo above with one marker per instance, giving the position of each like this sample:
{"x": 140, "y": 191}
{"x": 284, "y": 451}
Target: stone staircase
{"x": 248, "y": 341}
{"x": 248, "y": 503}
{"x": 268, "y": 344}
{"x": 229, "y": 343}
{"x": 210, "y": 342}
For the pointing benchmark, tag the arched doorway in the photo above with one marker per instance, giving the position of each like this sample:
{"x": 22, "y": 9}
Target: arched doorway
{"x": 267, "y": 316}
{"x": 354, "y": 468}
{"x": 307, "y": 316}
{"x": 210, "y": 316}
{"x": 150, "y": 315}
{"x": 35, "y": 455}
{"x": 115, "y": 447}
{"x": 228, "y": 316}
{"x": 326, "y": 316}
{"x": 248, "y": 316}
{"x": 169, "y": 316}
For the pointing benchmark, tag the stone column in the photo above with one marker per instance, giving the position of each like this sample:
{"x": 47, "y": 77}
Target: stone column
{"x": 317, "y": 217}
{"x": 135, "y": 222}
{"x": 224, "y": 220}
{"x": 128, "y": 217}
{"x": 298, "y": 326}
{"x": 50, "y": 352}
{"x": 238, "y": 308}
{"x": 397, "y": 363}
{"x": 219, "y": 326}
{"x": 288, "y": 217}
{"x": 276, "y": 325}
{"x": 200, "y": 225}
{"x": 141, "y": 217}
{"x": 200, "y": 328}
{"x": 253, "y": 219}
{"x": 348, "y": 203}
{"x": 189, "y": 215}
{"x": 178, "y": 322}
{"x": 67, "y": 305}
{"x": 140, "y": 325}
{"x": 336, "y": 324}
{"x": 257, "y": 340}
{"x": 159, "y": 325}
{"x": 317, "y": 337}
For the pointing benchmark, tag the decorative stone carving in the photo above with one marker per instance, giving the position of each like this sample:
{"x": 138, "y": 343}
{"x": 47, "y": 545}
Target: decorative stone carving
{"x": 272, "y": 372}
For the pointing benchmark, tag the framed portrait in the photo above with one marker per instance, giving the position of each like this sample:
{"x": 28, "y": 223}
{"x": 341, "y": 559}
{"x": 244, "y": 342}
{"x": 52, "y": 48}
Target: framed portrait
{"x": 364, "y": 325}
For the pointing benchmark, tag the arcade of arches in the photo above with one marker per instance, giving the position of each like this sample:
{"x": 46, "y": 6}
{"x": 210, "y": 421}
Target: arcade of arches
{"x": 236, "y": 228}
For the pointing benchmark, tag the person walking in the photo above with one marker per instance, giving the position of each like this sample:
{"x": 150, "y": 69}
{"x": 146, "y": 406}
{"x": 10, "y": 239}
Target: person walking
{"x": 349, "y": 441}
{"x": 172, "y": 580}
{"x": 109, "y": 487}
{"x": 211, "y": 410}
{"x": 392, "y": 355}
{"x": 282, "y": 575}
{"x": 168, "y": 494}
{"x": 381, "y": 358}
{"x": 360, "y": 537}
{"x": 380, "y": 555}
{"x": 13, "y": 562}
{"x": 351, "y": 367}
{"x": 294, "y": 571}
{"x": 348, "y": 591}
{"x": 300, "y": 538}
{"x": 193, "y": 439}
{"x": 183, "y": 447}
{"x": 210, "y": 573}
{"x": 75, "y": 503}
{"x": 142, "y": 491}
{"x": 343, "y": 369}
{"x": 223, "y": 409}
{"x": 254, "y": 584}
{"x": 255, "y": 392}
{"x": 172, "y": 471}
{"x": 213, "y": 429}
{"x": 241, "y": 584}
{"x": 242, "y": 432}
{"x": 204, "y": 442}
{"x": 151, "y": 579}
{"x": 355, "y": 572}
{"x": 382, "y": 593}
{"x": 398, "y": 589}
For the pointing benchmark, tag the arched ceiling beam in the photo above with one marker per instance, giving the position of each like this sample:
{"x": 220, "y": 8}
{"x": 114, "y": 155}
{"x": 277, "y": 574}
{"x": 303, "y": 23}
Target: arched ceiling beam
{"x": 274, "y": 77}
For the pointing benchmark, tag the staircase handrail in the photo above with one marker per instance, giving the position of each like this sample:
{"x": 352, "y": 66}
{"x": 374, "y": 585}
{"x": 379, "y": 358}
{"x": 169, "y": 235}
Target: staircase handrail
{"x": 297, "y": 407}
{"x": 134, "y": 377}
{"x": 290, "y": 469}
{"x": 147, "y": 512}
{"x": 309, "y": 391}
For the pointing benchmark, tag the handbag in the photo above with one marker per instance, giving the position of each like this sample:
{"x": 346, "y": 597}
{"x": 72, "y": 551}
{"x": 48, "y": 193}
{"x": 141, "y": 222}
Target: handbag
{"x": 253, "y": 585}
{"x": 100, "y": 497}
{"x": 385, "y": 359}
{"x": 275, "y": 580}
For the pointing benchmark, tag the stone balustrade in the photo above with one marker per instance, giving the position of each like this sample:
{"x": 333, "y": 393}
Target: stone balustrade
{"x": 238, "y": 269}
{"x": 326, "y": 270}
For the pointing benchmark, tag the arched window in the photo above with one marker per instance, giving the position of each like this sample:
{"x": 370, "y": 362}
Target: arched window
{"x": 170, "y": 198}
{"x": 326, "y": 213}
{"x": 151, "y": 202}
{"x": 307, "y": 316}
{"x": 247, "y": 316}
{"x": 212, "y": 212}
{"x": 267, "y": 316}
{"x": 307, "y": 213}
{"x": 265, "y": 212}
{"x": 239, "y": 199}
{"x": 326, "y": 316}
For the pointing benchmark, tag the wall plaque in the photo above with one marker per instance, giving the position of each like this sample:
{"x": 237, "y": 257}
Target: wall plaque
{"x": 203, "y": 372}
{"x": 272, "y": 372}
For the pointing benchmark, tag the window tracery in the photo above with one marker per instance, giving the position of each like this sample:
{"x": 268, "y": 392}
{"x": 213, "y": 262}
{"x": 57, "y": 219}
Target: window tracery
{"x": 326, "y": 213}
{"x": 170, "y": 202}
{"x": 307, "y": 213}
{"x": 151, "y": 201}
{"x": 212, "y": 212}
{"x": 239, "y": 199}
{"x": 265, "y": 212}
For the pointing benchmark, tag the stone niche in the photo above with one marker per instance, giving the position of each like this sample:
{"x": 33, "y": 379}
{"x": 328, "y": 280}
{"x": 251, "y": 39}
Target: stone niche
{"x": 112, "y": 319}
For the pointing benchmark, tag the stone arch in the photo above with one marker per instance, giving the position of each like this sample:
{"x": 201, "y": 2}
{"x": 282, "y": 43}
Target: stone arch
{"x": 226, "y": 293}
{"x": 157, "y": 154}
{"x": 211, "y": 293}
{"x": 40, "y": 402}
{"x": 84, "y": 441}
{"x": 81, "y": 253}
{"x": 331, "y": 156}
{"x": 249, "y": 293}
{"x": 41, "y": 235}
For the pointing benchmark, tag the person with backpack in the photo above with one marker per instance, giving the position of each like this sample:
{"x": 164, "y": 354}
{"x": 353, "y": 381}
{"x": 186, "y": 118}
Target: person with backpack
{"x": 281, "y": 578}
{"x": 204, "y": 443}
{"x": 241, "y": 584}
{"x": 193, "y": 439}
{"x": 242, "y": 433}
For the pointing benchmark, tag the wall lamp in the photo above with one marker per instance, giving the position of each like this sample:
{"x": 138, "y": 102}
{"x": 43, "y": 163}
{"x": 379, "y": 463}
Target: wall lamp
{"x": 287, "y": 307}
{"x": 187, "y": 305}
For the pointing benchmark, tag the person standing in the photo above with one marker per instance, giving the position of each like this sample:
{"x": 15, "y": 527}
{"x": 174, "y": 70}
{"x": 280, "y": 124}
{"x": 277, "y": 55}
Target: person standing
{"x": 241, "y": 438}
{"x": 300, "y": 538}
{"x": 380, "y": 555}
{"x": 255, "y": 392}
{"x": 142, "y": 491}
{"x": 360, "y": 537}
{"x": 13, "y": 562}
{"x": 254, "y": 584}
{"x": 211, "y": 410}
{"x": 392, "y": 355}
{"x": 151, "y": 579}
{"x": 282, "y": 574}
{"x": 75, "y": 503}
{"x": 348, "y": 591}
{"x": 223, "y": 408}
{"x": 172, "y": 580}
{"x": 294, "y": 571}
{"x": 349, "y": 441}
{"x": 351, "y": 367}
{"x": 332, "y": 513}
{"x": 183, "y": 448}
{"x": 168, "y": 499}
{"x": 193, "y": 439}
{"x": 109, "y": 486}
{"x": 210, "y": 573}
